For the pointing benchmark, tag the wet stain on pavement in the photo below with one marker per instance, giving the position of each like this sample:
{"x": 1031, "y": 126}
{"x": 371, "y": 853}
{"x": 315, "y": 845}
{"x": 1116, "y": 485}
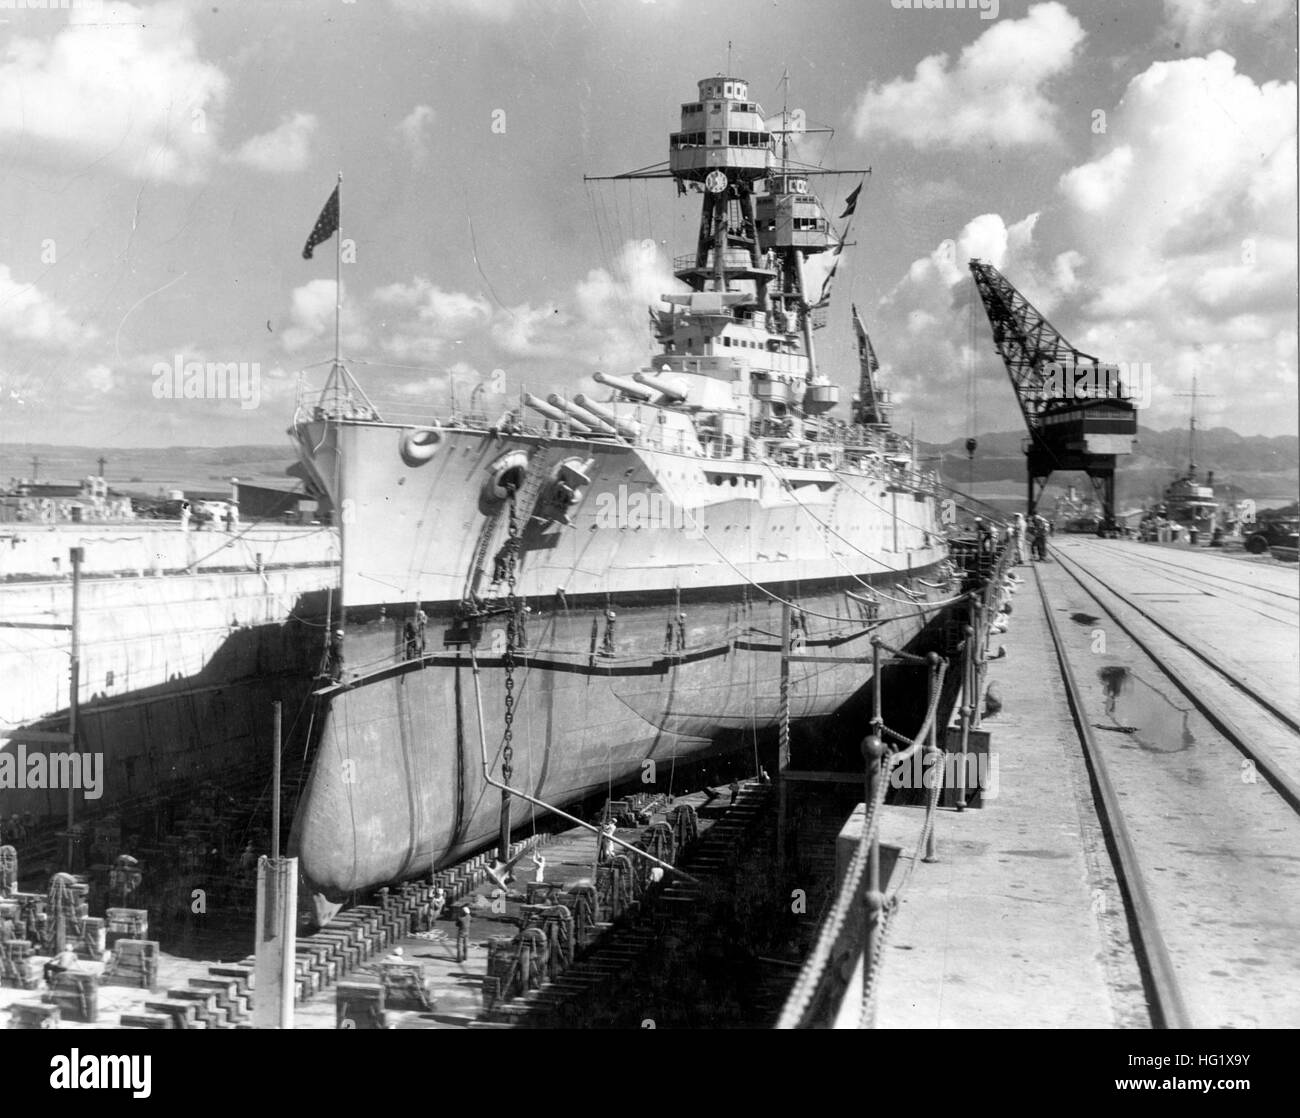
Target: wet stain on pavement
{"x": 1144, "y": 712}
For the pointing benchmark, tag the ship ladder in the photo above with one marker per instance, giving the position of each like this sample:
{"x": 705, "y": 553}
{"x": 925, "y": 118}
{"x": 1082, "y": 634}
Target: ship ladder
{"x": 486, "y": 533}
{"x": 525, "y": 500}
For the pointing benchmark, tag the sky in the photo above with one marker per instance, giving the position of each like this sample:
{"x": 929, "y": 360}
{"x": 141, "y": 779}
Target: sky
{"x": 1129, "y": 165}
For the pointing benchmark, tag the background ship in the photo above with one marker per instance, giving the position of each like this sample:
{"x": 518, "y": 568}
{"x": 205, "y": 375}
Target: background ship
{"x": 586, "y": 591}
{"x": 1187, "y": 500}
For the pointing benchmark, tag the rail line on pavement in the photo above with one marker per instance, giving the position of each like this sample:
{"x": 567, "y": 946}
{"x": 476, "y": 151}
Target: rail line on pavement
{"x": 1203, "y": 855}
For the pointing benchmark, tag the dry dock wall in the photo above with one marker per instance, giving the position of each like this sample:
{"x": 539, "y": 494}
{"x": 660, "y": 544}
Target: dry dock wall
{"x": 37, "y": 551}
{"x": 178, "y": 671}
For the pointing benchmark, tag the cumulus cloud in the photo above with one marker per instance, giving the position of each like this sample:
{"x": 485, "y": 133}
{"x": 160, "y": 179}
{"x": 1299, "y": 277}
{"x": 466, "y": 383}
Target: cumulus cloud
{"x": 99, "y": 378}
{"x": 121, "y": 84}
{"x": 412, "y": 133}
{"x": 433, "y": 336}
{"x": 26, "y": 315}
{"x": 311, "y": 318}
{"x": 602, "y": 322}
{"x": 1216, "y": 154}
{"x": 1173, "y": 246}
{"x": 284, "y": 149}
{"x": 422, "y": 320}
{"x": 927, "y": 357}
{"x": 993, "y": 94}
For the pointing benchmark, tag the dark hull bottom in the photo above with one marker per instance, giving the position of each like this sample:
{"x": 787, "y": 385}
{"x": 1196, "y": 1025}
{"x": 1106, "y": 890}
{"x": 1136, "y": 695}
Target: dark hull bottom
{"x": 163, "y": 741}
{"x": 397, "y": 786}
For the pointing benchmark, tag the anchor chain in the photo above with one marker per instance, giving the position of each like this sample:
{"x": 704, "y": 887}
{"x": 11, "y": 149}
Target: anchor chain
{"x": 508, "y": 660}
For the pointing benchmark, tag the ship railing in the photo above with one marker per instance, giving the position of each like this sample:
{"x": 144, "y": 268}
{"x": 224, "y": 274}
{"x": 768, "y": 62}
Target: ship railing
{"x": 721, "y": 448}
{"x": 733, "y": 259}
{"x": 404, "y": 411}
{"x": 837, "y": 985}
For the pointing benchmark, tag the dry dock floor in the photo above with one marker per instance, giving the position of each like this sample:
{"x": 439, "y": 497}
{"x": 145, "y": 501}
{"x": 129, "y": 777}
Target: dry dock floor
{"x": 455, "y": 988}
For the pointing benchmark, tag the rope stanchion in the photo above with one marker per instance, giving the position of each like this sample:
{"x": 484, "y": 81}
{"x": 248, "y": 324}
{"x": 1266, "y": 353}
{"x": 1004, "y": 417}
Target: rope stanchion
{"x": 834, "y": 944}
{"x": 899, "y": 654}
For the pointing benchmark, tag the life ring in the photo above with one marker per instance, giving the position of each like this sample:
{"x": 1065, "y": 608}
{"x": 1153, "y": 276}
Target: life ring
{"x": 505, "y": 475}
{"x": 419, "y": 444}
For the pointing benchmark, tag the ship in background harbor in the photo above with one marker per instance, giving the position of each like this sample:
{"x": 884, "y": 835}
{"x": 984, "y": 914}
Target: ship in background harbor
{"x": 1188, "y": 501}
{"x": 587, "y": 584}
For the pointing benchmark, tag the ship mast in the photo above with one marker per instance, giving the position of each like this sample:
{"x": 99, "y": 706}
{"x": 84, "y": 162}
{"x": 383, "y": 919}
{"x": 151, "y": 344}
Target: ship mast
{"x": 1193, "y": 395}
{"x": 749, "y": 315}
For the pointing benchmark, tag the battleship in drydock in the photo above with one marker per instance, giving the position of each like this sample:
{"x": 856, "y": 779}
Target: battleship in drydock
{"x": 548, "y": 602}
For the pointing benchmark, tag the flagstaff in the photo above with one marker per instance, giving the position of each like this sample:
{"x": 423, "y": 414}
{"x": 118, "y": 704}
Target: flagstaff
{"x": 338, "y": 276}
{"x": 339, "y": 387}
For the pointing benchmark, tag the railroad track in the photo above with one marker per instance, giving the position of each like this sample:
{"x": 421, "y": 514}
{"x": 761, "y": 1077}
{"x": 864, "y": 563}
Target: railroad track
{"x": 1277, "y": 604}
{"x": 1194, "y": 775}
{"x": 1229, "y": 674}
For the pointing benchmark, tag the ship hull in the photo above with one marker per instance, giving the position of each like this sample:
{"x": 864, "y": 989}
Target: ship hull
{"x": 651, "y": 600}
{"x": 398, "y": 784}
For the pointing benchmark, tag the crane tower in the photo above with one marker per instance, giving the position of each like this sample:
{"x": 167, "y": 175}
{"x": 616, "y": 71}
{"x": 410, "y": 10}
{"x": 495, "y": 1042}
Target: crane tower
{"x": 1079, "y": 413}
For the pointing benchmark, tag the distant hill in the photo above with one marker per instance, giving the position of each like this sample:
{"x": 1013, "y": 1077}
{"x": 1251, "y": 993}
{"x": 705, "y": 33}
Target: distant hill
{"x": 1266, "y": 469}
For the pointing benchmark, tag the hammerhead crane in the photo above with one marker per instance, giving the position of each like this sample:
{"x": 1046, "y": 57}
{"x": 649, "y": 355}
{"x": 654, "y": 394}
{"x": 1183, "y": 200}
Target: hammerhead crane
{"x": 1077, "y": 410}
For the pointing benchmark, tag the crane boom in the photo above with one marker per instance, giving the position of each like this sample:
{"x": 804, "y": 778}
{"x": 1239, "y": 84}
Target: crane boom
{"x": 1077, "y": 410}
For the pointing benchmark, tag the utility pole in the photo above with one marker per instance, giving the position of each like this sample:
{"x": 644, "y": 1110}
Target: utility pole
{"x": 275, "y": 781}
{"x": 102, "y": 463}
{"x": 76, "y": 554}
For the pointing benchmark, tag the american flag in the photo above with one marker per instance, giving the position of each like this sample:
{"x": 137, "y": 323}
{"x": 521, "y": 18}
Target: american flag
{"x": 326, "y": 225}
{"x": 851, "y": 202}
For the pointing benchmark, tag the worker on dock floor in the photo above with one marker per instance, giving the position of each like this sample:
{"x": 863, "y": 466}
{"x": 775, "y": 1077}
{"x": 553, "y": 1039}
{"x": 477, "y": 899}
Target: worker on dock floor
{"x": 462, "y": 934}
{"x": 334, "y": 662}
{"x": 606, "y": 846}
{"x": 1039, "y": 533}
{"x": 63, "y": 961}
